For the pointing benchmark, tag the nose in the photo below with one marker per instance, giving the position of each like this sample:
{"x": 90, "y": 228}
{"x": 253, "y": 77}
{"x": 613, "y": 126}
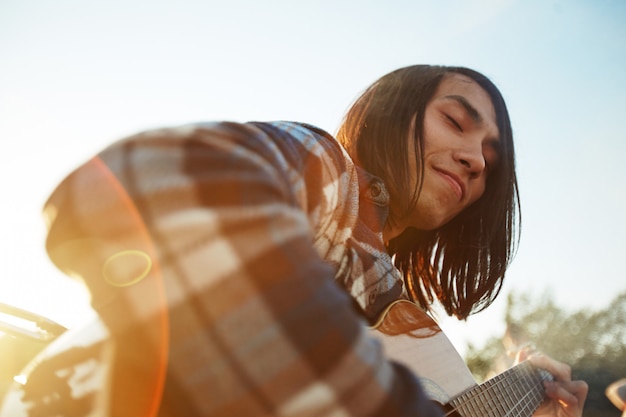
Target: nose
{"x": 472, "y": 159}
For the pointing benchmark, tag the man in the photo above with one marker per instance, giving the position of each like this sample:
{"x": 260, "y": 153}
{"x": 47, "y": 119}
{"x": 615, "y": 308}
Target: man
{"x": 236, "y": 265}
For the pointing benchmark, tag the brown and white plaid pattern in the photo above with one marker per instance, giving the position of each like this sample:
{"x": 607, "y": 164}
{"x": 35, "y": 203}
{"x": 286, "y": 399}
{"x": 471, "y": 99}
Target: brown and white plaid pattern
{"x": 224, "y": 244}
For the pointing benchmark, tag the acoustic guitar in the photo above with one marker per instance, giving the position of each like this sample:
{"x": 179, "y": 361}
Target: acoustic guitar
{"x": 410, "y": 336}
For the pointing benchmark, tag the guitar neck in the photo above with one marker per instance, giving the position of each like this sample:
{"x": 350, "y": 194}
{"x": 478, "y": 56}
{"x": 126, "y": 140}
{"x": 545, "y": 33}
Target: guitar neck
{"x": 411, "y": 337}
{"x": 517, "y": 392}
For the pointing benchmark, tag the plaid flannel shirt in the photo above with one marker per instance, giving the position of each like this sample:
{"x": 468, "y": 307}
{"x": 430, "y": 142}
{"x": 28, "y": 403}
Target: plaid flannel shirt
{"x": 231, "y": 249}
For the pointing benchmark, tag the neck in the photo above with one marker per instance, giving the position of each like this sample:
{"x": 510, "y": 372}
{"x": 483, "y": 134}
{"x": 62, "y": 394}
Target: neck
{"x": 391, "y": 231}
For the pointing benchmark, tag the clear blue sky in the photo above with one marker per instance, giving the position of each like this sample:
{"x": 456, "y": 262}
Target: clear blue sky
{"x": 76, "y": 75}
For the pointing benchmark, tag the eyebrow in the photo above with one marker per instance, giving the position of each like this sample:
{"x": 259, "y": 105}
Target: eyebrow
{"x": 471, "y": 110}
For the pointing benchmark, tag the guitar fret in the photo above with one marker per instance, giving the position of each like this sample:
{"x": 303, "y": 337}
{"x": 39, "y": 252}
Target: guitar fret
{"x": 516, "y": 392}
{"x": 464, "y": 405}
{"x": 493, "y": 401}
{"x": 501, "y": 409}
{"x": 506, "y": 404}
{"x": 504, "y": 387}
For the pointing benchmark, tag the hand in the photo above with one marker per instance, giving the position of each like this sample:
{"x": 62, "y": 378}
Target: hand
{"x": 566, "y": 398}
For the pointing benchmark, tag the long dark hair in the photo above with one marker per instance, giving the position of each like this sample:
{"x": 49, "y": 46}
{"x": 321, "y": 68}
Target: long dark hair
{"x": 462, "y": 264}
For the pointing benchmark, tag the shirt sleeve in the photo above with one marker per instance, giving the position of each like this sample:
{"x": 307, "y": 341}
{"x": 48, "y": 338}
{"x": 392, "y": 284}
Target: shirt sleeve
{"x": 202, "y": 230}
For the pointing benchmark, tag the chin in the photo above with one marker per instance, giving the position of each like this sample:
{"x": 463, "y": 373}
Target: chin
{"x": 435, "y": 224}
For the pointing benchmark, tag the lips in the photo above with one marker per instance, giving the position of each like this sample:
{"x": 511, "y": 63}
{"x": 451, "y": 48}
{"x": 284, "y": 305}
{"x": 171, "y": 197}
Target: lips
{"x": 455, "y": 182}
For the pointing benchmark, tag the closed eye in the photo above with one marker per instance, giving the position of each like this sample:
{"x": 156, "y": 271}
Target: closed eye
{"x": 454, "y": 122}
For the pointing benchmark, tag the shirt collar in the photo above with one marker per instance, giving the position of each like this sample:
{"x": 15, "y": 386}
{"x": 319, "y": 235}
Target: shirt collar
{"x": 373, "y": 201}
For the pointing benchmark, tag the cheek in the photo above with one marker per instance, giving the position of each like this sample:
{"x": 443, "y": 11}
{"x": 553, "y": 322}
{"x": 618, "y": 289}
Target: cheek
{"x": 436, "y": 137}
{"x": 478, "y": 191}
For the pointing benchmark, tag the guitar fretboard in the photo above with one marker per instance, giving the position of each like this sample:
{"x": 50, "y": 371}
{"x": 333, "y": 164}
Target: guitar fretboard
{"x": 517, "y": 392}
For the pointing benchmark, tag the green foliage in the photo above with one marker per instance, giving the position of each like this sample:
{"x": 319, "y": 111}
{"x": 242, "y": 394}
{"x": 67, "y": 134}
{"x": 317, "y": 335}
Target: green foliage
{"x": 481, "y": 360}
{"x": 593, "y": 343}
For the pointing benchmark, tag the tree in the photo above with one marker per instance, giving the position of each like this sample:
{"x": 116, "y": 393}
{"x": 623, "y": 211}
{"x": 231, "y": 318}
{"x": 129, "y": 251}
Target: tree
{"x": 593, "y": 343}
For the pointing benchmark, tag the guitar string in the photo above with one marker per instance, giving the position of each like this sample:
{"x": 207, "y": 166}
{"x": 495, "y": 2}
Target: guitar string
{"x": 470, "y": 402}
{"x": 520, "y": 371}
{"x": 504, "y": 380}
{"x": 535, "y": 390}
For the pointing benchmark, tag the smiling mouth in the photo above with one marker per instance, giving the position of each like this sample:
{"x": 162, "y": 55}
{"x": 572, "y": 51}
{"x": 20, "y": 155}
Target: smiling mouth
{"x": 454, "y": 183}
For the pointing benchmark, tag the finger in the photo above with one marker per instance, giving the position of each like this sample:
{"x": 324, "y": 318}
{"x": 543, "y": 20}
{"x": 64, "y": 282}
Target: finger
{"x": 568, "y": 394}
{"x": 525, "y": 352}
{"x": 560, "y": 371}
{"x": 580, "y": 389}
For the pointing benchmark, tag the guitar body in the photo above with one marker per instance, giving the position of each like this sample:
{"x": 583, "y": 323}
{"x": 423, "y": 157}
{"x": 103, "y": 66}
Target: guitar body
{"x": 411, "y": 337}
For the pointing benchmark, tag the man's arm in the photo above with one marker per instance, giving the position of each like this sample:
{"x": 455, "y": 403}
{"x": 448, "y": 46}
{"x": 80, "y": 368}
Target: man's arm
{"x": 256, "y": 323}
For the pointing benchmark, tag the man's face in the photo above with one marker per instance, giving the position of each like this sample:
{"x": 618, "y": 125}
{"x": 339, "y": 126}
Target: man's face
{"x": 461, "y": 145}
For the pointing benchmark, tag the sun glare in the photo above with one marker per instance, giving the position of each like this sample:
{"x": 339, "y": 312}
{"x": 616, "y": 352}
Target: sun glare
{"x": 52, "y": 295}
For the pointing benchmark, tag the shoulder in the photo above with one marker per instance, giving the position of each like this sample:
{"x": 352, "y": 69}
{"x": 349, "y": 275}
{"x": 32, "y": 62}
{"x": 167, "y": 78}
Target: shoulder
{"x": 275, "y": 141}
{"x": 308, "y": 138}
{"x": 309, "y": 152}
